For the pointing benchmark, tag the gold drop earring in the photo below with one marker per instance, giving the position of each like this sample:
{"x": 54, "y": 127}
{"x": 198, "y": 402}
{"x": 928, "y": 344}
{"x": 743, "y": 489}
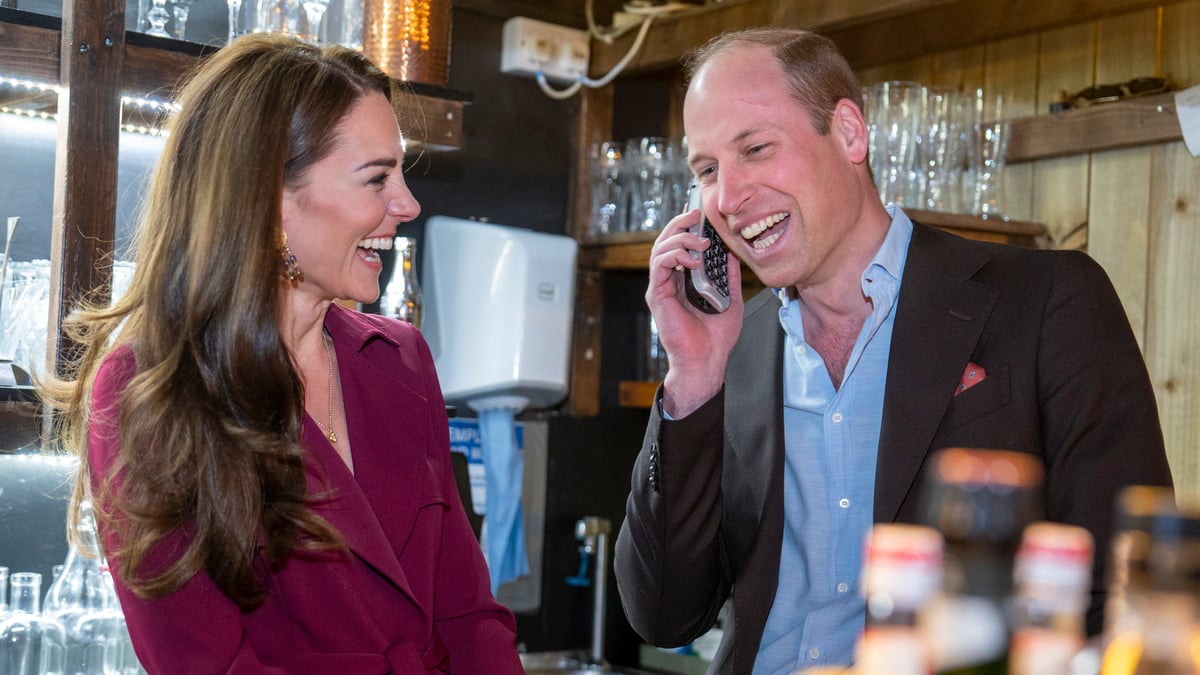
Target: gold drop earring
{"x": 291, "y": 268}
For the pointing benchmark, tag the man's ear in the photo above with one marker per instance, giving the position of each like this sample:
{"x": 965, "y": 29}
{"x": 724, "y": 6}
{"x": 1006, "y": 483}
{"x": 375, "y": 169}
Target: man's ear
{"x": 848, "y": 123}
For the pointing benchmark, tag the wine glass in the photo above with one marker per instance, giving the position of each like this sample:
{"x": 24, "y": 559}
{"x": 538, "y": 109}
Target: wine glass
{"x": 235, "y": 11}
{"x": 181, "y": 9}
{"x": 315, "y": 11}
{"x": 158, "y": 17}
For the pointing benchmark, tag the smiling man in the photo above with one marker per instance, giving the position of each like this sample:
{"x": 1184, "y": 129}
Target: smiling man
{"x": 790, "y": 423}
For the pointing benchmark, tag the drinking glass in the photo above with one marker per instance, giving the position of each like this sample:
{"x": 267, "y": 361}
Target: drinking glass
{"x": 235, "y": 15}
{"x": 942, "y": 154}
{"x": 896, "y": 111}
{"x": 650, "y": 160}
{"x": 314, "y": 11}
{"x": 181, "y": 9}
{"x": 610, "y": 201}
{"x": 352, "y": 24}
{"x": 158, "y": 18}
{"x": 984, "y": 182}
{"x": 278, "y": 16}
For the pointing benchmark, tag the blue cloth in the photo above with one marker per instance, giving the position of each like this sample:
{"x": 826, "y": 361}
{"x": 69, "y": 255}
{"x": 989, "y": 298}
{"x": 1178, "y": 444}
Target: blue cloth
{"x": 832, "y": 439}
{"x": 504, "y": 468}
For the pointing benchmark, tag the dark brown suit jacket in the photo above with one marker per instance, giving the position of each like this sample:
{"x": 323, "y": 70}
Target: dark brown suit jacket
{"x": 1065, "y": 382}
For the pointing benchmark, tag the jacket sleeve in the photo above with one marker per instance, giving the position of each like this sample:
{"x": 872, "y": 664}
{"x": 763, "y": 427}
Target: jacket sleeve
{"x": 670, "y": 564}
{"x": 479, "y": 633}
{"x": 1100, "y": 425}
{"x": 198, "y": 620}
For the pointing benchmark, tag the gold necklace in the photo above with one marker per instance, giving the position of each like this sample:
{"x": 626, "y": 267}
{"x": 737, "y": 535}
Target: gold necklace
{"x": 329, "y": 392}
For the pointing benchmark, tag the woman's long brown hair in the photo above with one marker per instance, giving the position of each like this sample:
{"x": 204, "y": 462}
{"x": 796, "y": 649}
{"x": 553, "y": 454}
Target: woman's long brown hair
{"x": 209, "y": 427}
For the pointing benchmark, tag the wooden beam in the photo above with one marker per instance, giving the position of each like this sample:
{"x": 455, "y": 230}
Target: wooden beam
{"x": 941, "y": 27}
{"x": 30, "y": 51}
{"x": 85, "y": 170}
{"x": 671, "y": 36}
{"x": 828, "y": 15}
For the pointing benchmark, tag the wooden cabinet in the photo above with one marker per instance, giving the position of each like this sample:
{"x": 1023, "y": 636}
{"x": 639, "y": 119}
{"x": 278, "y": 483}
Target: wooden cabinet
{"x": 865, "y": 30}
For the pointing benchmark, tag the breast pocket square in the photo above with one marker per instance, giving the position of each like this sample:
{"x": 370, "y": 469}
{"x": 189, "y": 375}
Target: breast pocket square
{"x": 973, "y": 375}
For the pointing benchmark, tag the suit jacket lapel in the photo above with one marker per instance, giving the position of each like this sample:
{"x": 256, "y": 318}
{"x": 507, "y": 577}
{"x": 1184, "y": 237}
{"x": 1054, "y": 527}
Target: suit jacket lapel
{"x": 940, "y": 315}
{"x": 374, "y": 510}
{"x": 754, "y": 412}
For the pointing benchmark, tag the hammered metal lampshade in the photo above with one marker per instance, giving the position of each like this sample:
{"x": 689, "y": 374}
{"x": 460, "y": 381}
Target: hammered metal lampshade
{"x": 409, "y": 39}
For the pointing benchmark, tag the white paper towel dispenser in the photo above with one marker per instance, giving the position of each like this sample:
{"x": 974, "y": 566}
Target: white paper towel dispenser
{"x": 499, "y": 303}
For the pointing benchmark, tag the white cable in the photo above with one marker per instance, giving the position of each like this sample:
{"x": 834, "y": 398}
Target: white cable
{"x": 562, "y": 94}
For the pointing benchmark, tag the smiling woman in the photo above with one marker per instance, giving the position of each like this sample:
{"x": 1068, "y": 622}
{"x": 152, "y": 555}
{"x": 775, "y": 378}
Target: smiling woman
{"x": 226, "y": 409}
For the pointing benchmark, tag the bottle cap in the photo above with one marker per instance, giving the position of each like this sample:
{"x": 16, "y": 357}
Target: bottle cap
{"x": 986, "y": 495}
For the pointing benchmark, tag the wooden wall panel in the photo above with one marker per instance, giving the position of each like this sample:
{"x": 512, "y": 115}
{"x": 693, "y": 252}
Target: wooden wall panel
{"x": 1060, "y": 186}
{"x": 1173, "y": 299}
{"x": 962, "y": 68}
{"x": 1172, "y": 342}
{"x": 1118, "y": 230}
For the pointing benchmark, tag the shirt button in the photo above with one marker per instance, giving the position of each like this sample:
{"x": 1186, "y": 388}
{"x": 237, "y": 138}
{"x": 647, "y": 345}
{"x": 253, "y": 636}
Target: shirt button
{"x": 837, "y": 418}
{"x": 842, "y": 587}
{"x": 800, "y": 349}
{"x": 814, "y": 653}
{"x": 844, "y": 503}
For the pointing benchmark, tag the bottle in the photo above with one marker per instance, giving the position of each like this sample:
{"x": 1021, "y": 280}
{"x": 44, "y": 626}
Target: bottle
{"x": 84, "y": 602}
{"x": 30, "y": 644}
{"x": 902, "y": 570}
{"x": 3, "y": 593}
{"x": 403, "y": 300}
{"x": 1156, "y": 553}
{"x": 981, "y": 501}
{"x": 1052, "y": 579}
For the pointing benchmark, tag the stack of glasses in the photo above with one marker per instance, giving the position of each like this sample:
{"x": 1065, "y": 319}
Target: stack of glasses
{"x": 638, "y": 185}
{"x": 937, "y": 148}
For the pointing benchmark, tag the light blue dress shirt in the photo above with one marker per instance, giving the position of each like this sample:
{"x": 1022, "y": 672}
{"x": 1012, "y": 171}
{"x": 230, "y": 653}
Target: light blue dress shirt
{"x": 832, "y": 438}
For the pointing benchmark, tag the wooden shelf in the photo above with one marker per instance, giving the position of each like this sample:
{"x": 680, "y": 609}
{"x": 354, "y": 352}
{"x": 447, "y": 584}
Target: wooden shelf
{"x": 636, "y": 394}
{"x": 29, "y": 47}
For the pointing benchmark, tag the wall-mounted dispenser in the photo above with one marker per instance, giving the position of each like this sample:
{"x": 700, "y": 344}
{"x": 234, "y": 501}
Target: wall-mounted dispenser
{"x": 498, "y": 307}
{"x": 499, "y": 303}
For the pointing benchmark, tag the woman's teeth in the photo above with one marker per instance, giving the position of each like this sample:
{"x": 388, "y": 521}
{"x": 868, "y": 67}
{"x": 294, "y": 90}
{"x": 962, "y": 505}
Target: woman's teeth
{"x": 751, "y": 231}
{"x": 377, "y": 243}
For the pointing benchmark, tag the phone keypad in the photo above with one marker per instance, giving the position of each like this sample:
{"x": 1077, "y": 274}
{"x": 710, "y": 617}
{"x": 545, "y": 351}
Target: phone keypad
{"x": 716, "y": 261}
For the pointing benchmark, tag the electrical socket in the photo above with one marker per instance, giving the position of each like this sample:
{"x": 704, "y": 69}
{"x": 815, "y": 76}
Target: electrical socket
{"x": 561, "y": 53}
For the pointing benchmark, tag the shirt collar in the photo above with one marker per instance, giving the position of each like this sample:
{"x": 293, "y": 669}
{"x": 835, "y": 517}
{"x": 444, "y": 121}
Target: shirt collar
{"x": 888, "y": 260}
{"x": 355, "y": 328}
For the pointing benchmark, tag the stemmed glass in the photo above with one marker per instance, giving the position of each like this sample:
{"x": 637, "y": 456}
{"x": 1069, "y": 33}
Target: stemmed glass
{"x": 235, "y": 11}
{"x": 315, "y": 11}
{"x": 158, "y": 17}
{"x": 181, "y": 8}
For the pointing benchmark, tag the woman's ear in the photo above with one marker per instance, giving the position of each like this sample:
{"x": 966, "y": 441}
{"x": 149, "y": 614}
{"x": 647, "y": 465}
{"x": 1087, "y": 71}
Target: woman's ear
{"x": 848, "y": 123}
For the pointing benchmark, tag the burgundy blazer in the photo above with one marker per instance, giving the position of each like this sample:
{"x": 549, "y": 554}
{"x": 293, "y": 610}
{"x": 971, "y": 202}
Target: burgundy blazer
{"x": 1065, "y": 382}
{"x": 411, "y": 596}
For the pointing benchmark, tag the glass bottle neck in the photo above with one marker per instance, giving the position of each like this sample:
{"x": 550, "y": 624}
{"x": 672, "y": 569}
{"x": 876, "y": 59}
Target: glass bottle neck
{"x": 26, "y": 592}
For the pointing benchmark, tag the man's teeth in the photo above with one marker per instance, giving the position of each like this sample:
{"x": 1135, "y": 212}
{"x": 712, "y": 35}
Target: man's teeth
{"x": 767, "y": 241}
{"x": 752, "y": 231}
{"x": 377, "y": 243}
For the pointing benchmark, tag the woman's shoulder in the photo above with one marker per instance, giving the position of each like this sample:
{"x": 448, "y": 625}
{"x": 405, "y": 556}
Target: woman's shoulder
{"x": 116, "y": 369}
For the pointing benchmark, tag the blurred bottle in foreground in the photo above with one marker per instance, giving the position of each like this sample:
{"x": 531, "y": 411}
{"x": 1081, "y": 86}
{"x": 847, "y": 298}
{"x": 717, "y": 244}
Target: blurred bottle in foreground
{"x": 902, "y": 570}
{"x": 1052, "y": 586}
{"x": 981, "y": 501}
{"x": 1151, "y": 616}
